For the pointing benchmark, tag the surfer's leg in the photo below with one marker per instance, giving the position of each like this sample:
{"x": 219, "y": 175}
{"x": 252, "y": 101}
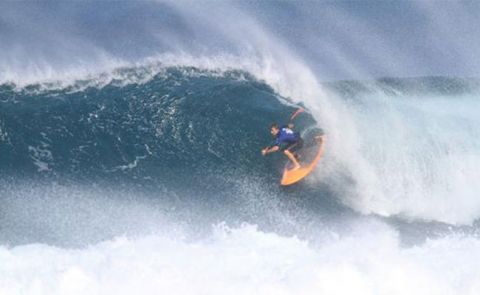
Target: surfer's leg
{"x": 294, "y": 148}
{"x": 292, "y": 158}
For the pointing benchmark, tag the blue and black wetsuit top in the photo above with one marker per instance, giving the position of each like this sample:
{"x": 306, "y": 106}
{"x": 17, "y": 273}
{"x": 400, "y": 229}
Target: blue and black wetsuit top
{"x": 287, "y": 138}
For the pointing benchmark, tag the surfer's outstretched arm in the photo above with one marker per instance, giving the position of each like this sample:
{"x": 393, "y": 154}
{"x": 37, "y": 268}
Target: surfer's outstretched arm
{"x": 270, "y": 149}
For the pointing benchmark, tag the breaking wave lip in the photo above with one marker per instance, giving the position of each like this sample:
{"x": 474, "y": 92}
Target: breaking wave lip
{"x": 244, "y": 260}
{"x": 124, "y": 73}
{"x": 121, "y": 73}
{"x": 419, "y": 156}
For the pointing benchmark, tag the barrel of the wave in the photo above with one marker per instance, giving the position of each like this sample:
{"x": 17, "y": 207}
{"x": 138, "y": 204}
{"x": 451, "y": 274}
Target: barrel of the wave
{"x": 310, "y": 155}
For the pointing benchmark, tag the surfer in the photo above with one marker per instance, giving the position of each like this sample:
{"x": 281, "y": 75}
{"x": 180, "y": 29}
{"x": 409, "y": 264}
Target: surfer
{"x": 286, "y": 140}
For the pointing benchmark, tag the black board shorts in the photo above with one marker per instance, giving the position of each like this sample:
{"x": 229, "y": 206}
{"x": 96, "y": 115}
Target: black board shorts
{"x": 292, "y": 146}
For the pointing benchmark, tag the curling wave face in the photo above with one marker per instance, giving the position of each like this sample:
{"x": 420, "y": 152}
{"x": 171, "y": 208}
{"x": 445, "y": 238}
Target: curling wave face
{"x": 181, "y": 119}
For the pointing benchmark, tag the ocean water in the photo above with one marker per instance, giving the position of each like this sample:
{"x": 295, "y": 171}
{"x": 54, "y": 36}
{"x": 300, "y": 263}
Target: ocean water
{"x": 136, "y": 168}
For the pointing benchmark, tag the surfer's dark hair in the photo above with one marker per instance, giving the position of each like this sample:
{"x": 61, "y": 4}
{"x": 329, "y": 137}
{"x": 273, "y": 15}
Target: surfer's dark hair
{"x": 274, "y": 125}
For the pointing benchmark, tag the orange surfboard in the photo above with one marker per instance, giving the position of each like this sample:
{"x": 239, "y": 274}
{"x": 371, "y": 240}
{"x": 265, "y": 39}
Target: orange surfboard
{"x": 290, "y": 177}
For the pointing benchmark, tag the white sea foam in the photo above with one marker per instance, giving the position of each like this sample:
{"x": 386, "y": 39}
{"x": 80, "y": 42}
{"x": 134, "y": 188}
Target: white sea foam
{"x": 417, "y": 157}
{"x": 245, "y": 260}
{"x": 41, "y": 157}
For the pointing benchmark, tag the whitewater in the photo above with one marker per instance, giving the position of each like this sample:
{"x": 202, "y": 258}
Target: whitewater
{"x": 130, "y": 154}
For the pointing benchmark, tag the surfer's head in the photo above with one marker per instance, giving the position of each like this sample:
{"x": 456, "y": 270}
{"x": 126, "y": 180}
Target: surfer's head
{"x": 274, "y": 129}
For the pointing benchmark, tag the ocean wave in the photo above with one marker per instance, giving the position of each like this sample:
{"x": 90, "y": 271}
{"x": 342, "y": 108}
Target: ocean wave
{"x": 159, "y": 124}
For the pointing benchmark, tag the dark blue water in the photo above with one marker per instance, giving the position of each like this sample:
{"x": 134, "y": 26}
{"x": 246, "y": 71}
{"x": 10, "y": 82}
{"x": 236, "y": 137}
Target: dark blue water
{"x": 186, "y": 138}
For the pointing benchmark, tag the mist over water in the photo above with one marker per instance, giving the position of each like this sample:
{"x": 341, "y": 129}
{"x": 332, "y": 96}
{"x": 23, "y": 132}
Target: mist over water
{"x": 130, "y": 135}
